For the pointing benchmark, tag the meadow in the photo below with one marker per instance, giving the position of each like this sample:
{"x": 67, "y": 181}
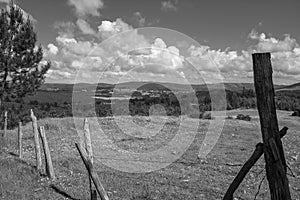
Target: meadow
{"x": 186, "y": 178}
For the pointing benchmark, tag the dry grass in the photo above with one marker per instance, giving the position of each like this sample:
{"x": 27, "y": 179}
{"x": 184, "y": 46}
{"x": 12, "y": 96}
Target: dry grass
{"x": 187, "y": 178}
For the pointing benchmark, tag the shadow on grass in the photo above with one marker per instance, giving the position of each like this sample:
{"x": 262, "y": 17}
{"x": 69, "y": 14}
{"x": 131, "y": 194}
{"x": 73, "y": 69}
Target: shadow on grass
{"x": 63, "y": 193}
{"x": 13, "y": 154}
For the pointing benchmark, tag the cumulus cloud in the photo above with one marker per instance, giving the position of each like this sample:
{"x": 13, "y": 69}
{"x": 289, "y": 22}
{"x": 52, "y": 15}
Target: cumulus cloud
{"x": 65, "y": 40}
{"x": 85, "y": 27}
{"x": 52, "y": 49}
{"x": 123, "y": 50}
{"x": 272, "y": 44}
{"x": 285, "y": 52}
{"x": 65, "y": 29}
{"x": 207, "y": 59}
{"x": 169, "y": 5}
{"x": 84, "y": 7}
{"x": 76, "y": 53}
{"x": 138, "y": 19}
{"x": 158, "y": 58}
{"x": 110, "y": 28}
{"x": 4, "y": 1}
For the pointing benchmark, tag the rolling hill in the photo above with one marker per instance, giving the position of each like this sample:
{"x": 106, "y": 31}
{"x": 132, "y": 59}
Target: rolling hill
{"x": 235, "y": 87}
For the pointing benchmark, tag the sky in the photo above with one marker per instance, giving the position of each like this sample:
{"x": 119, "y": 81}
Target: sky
{"x": 195, "y": 40}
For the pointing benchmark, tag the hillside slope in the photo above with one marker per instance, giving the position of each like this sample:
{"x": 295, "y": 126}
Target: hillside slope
{"x": 187, "y": 178}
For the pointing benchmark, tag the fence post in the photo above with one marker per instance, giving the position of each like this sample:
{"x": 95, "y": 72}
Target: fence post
{"x": 100, "y": 189}
{"x": 89, "y": 151}
{"x": 5, "y": 125}
{"x": 36, "y": 142}
{"x": 273, "y": 150}
{"x": 49, "y": 165}
{"x": 258, "y": 152}
{"x": 20, "y": 139}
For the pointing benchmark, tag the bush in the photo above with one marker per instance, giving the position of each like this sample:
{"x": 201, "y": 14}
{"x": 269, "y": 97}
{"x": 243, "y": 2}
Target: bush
{"x": 206, "y": 116}
{"x": 229, "y": 117}
{"x": 195, "y": 115}
{"x": 243, "y": 117}
{"x": 296, "y": 113}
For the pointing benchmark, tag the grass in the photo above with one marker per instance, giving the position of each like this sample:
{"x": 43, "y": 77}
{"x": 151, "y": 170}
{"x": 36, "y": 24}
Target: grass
{"x": 186, "y": 178}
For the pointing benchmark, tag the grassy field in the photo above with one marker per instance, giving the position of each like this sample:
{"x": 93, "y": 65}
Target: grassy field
{"x": 186, "y": 178}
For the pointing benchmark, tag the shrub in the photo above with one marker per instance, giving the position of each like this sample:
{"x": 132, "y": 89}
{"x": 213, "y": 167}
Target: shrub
{"x": 195, "y": 115}
{"x": 296, "y": 113}
{"x": 243, "y": 117}
{"x": 229, "y": 117}
{"x": 206, "y": 116}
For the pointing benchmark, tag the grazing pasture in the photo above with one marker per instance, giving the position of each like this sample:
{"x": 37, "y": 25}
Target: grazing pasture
{"x": 186, "y": 178}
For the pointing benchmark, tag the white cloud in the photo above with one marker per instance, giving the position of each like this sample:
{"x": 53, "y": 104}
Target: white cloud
{"x": 4, "y": 1}
{"x": 139, "y": 19}
{"x": 85, "y": 27}
{"x": 169, "y": 5}
{"x": 65, "y": 40}
{"x": 109, "y": 28}
{"x": 58, "y": 74}
{"x": 285, "y": 52}
{"x": 207, "y": 59}
{"x": 65, "y": 29}
{"x": 272, "y": 44}
{"x": 87, "y": 7}
{"x": 52, "y": 49}
{"x": 157, "y": 60}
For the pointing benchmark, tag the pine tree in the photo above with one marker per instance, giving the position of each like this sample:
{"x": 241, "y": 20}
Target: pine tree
{"x": 21, "y": 69}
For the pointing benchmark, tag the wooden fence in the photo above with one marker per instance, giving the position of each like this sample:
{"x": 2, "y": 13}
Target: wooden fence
{"x": 41, "y": 143}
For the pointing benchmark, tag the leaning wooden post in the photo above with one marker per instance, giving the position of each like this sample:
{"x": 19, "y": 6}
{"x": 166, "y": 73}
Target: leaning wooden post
{"x": 20, "y": 139}
{"x": 89, "y": 151}
{"x": 49, "y": 165}
{"x": 36, "y": 142}
{"x": 258, "y": 152}
{"x": 100, "y": 189}
{"x": 273, "y": 151}
{"x": 5, "y": 125}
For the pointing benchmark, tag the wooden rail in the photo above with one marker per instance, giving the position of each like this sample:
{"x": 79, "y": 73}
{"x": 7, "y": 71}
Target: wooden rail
{"x": 258, "y": 152}
{"x": 48, "y": 160}
{"x": 89, "y": 166}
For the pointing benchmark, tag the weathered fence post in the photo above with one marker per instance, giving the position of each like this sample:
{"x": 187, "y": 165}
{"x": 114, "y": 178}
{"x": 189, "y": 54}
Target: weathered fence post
{"x": 258, "y": 152}
{"x": 273, "y": 151}
{"x": 49, "y": 165}
{"x": 20, "y": 139}
{"x": 87, "y": 140}
{"x": 89, "y": 151}
{"x": 36, "y": 142}
{"x": 5, "y": 125}
{"x": 89, "y": 166}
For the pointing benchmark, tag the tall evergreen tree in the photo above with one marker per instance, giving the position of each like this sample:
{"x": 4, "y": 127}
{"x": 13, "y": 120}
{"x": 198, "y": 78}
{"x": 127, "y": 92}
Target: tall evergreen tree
{"x": 21, "y": 69}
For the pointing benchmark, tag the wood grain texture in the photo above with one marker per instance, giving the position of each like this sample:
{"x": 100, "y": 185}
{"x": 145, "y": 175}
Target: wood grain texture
{"x": 36, "y": 142}
{"x": 273, "y": 150}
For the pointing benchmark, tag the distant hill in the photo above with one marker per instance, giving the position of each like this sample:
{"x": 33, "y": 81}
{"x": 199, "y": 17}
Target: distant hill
{"x": 295, "y": 86}
{"x": 235, "y": 87}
